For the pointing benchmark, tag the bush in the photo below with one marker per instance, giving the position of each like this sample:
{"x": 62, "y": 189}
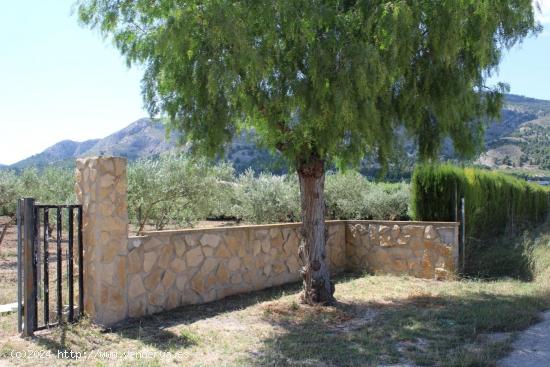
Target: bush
{"x": 349, "y": 195}
{"x": 497, "y": 208}
{"x": 52, "y": 185}
{"x": 525, "y": 256}
{"x": 175, "y": 189}
{"x": 388, "y": 201}
{"x": 345, "y": 195}
{"x": 495, "y": 203}
{"x": 178, "y": 190}
{"x": 10, "y": 189}
{"x": 266, "y": 198}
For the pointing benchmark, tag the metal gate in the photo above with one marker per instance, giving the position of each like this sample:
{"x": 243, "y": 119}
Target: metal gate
{"x": 39, "y": 266}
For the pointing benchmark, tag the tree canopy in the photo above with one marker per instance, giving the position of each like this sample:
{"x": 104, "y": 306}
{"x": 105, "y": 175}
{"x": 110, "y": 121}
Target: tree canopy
{"x": 329, "y": 78}
{"x": 319, "y": 80}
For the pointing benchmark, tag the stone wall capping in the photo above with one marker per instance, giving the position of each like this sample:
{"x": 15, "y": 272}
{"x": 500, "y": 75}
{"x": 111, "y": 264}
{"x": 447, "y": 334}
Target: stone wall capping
{"x": 284, "y": 225}
{"x": 399, "y": 222}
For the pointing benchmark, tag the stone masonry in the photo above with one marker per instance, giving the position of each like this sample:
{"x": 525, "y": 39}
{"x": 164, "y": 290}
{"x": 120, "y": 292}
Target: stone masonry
{"x": 171, "y": 268}
{"x": 140, "y": 275}
{"x": 421, "y": 249}
{"x": 101, "y": 189}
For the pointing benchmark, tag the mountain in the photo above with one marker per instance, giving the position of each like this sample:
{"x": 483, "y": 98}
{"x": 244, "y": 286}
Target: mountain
{"x": 145, "y": 138}
{"x": 142, "y": 138}
{"x": 520, "y": 140}
{"x": 66, "y": 149}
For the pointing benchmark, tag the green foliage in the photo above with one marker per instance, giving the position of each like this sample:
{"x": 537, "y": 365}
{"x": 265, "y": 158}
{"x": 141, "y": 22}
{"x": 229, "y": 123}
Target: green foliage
{"x": 351, "y": 196}
{"x": 524, "y": 256}
{"x": 497, "y": 206}
{"x": 178, "y": 190}
{"x": 175, "y": 189}
{"x": 540, "y": 255}
{"x": 534, "y": 141}
{"x": 495, "y": 203}
{"x": 52, "y": 185}
{"x": 266, "y": 198}
{"x": 9, "y": 192}
{"x": 318, "y": 79}
{"x": 344, "y": 195}
{"x": 388, "y": 201}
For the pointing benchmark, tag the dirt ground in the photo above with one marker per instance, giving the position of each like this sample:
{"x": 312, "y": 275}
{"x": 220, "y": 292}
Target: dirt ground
{"x": 8, "y": 264}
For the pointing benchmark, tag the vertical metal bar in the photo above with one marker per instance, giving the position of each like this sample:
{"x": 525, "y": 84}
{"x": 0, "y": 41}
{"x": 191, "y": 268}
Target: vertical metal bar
{"x": 19, "y": 218}
{"x": 70, "y": 260}
{"x": 80, "y": 265}
{"x": 30, "y": 290}
{"x": 59, "y": 277}
{"x": 36, "y": 257}
{"x": 46, "y": 268}
{"x": 456, "y": 203}
{"x": 463, "y": 232}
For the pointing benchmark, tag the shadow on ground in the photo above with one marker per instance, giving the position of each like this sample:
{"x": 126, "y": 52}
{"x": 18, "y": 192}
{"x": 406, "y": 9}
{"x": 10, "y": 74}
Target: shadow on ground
{"x": 152, "y": 330}
{"x": 423, "y": 329}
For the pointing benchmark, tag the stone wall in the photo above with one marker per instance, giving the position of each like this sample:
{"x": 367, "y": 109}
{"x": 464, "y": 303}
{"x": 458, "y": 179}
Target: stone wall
{"x": 172, "y": 268}
{"x": 421, "y": 249}
{"x": 167, "y": 269}
{"x": 134, "y": 276}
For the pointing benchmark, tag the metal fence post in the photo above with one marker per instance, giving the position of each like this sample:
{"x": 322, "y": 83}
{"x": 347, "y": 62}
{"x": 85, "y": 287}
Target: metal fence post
{"x": 29, "y": 268}
{"x": 19, "y": 218}
{"x": 463, "y": 233}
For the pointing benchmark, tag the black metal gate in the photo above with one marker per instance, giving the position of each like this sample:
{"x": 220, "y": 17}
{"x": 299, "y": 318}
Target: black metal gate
{"x": 38, "y": 266}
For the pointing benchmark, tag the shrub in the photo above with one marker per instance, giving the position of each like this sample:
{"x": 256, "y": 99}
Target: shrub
{"x": 10, "y": 189}
{"x": 345, "y": 195}
{"x": 174, "y": 189}
{"x": 495, "y": 203}
{"x": 349, "y": 195}
{"x": 178, "y": 190}
{"x": 387, "y": 201}
{"x": 52, "y": 185}
{"x": 497, "y": 207}
{"x": 266, "y": 198}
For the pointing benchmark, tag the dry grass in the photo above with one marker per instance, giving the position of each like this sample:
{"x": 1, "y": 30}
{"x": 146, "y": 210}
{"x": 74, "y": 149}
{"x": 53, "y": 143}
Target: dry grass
{"x": 378, "y": 320}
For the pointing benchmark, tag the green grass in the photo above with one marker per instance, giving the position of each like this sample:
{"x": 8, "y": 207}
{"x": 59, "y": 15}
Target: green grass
{"x": 525, "y": 256}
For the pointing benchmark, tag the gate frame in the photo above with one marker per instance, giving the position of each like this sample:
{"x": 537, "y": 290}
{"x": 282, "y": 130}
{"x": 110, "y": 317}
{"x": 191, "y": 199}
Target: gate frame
{"x": 28, "y": 227}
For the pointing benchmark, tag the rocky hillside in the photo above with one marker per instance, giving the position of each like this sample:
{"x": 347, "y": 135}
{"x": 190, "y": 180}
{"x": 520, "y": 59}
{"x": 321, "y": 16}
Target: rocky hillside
{"x": 143, "y": 138}
{"x": 520, "y": 139}
{"x": 146, "y": 138}
{"x": 59, "y": 152}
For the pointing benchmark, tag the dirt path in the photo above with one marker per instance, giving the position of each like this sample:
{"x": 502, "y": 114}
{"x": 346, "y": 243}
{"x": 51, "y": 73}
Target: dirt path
{"x": 532, "y": 348}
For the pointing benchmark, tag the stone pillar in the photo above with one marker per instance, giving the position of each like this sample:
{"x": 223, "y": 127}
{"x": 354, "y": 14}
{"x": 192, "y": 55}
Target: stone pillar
{"x": 101, "y": 187}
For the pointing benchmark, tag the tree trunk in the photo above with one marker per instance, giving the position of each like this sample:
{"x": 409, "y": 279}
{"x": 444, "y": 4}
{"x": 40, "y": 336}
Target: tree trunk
{"x": 318, "y": 289}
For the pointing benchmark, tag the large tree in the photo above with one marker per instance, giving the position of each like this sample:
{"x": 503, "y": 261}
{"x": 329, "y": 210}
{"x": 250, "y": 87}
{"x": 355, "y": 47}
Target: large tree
{"x": 321, "y": 81}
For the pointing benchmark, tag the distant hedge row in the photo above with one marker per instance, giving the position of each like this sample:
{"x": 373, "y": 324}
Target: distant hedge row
{"x": 495, "y": 203}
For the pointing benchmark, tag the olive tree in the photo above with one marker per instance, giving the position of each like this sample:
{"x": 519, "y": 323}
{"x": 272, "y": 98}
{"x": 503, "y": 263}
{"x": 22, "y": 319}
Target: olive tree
{"x": 321, "y": 81}
{"x": 173, "y": 188}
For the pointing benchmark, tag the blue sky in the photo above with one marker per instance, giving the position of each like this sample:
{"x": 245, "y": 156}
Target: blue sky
{"x": 61, "y": 81}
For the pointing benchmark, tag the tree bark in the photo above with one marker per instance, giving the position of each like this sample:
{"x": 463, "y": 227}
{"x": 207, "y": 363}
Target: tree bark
{"x": 318, "y": 289}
